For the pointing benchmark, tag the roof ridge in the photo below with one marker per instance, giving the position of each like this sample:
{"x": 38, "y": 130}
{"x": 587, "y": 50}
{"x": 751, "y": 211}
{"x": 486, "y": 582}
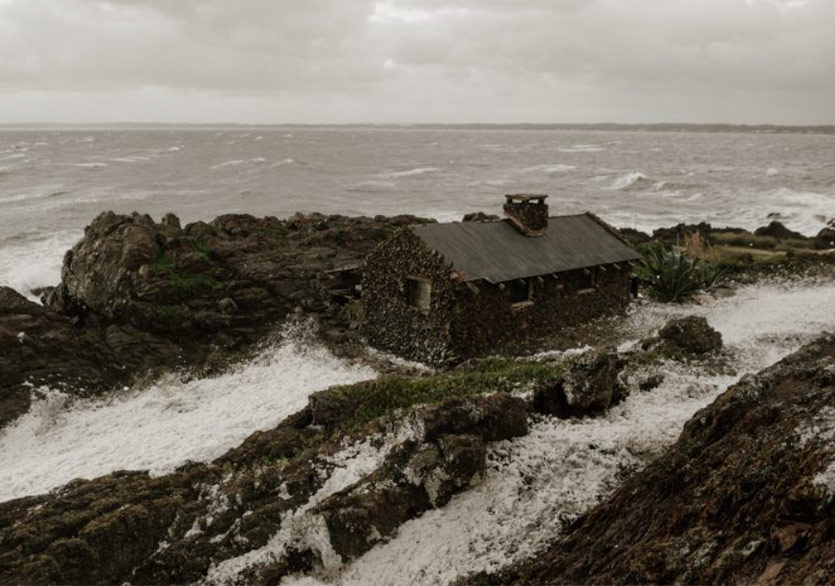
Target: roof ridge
{"x": 611, "y": 229}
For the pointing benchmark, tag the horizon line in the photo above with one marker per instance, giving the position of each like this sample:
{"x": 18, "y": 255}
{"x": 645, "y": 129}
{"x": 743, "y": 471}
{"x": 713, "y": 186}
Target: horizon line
{"x": 829, "y": 128}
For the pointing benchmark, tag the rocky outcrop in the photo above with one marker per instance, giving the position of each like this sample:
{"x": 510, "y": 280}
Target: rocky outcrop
{"x": 590, "y": 386}
{"x": 746, "y": 495}
{"x": 688, "y": 336}
{"x": 827, "y": 235}
{"x": 224, "y": 280}
{"x": 480, "y": 217}
{"x": 139, "y": 296}
{"x": 42, "y": 348}
{"x": 777, "y": 230}
{"x": 130, "y": 527}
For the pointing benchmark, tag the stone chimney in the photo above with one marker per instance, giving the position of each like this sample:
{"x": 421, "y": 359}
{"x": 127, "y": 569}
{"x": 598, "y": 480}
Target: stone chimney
{"x": 527, "y": 213}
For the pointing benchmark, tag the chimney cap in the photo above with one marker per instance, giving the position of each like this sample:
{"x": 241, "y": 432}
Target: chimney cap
{"x": 526, "y": 197}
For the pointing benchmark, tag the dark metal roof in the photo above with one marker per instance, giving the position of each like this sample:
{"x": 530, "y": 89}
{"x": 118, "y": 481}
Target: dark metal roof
{"x": 496, "y": 252}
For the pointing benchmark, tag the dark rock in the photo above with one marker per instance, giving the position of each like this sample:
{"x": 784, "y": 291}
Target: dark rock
{"x": 227, "y": 305}
{"x": 744, "y": 496}
{"x": 635, "y": 237}
{"x": 651, "y": 382}
{"x": 676, "y": 234}
{"x": 414, "y": 479}
{"x": 130, "y": 527}
{"x": 41, "y": 347}
{"x": 329, "y": 407}
{"x": 689, "y": 335}
{"x": 137, "y": 297}
{"x": 777, "y": 230}
{"x": 480, "y": 217}
{"x": 591, "y": 386}
{"x": 170, "y": 220}
{"x": 493, "y": 418}
{"x": 827, "y": 236}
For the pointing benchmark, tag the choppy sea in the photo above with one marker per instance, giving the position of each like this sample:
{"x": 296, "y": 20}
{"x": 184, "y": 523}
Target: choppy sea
{"x": 53, "y": 182}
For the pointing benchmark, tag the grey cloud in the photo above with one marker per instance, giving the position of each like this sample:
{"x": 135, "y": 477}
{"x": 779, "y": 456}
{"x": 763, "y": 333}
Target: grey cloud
{"x": 426, "y": 60}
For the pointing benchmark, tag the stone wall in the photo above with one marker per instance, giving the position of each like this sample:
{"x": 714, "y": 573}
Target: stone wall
{"x": 531, "y": 217}
{"x": 390, "y": 323}
{"x": 487, "y": 320}
{"x": 464, "y": 320}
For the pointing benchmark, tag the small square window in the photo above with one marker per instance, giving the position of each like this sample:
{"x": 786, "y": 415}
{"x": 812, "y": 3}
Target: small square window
{"x": 419, "y": 292}
{"x": 520, "y": 291}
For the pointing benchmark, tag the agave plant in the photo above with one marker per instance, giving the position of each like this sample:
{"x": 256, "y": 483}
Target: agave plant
{"x": 675, "y": 276}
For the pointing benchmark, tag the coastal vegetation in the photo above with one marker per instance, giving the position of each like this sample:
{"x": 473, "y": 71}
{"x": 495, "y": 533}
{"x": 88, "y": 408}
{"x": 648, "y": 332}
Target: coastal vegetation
{"x": 675, "y": 275}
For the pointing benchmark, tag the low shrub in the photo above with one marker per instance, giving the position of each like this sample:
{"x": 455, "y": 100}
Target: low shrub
{"x": 388, "y": 394}
{"x": 675, "y": 276}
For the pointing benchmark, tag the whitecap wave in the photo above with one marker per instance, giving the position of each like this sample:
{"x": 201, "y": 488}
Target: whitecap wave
{"x": 90, "y": 165}
{"x": 239, "y": 162}
{"x": 410, "y": 172}
{"x": 582, "y": 148}
{"x": 34, "y": 262}
{"x": 549, "y": 168}
{"x": 628, "y": 180}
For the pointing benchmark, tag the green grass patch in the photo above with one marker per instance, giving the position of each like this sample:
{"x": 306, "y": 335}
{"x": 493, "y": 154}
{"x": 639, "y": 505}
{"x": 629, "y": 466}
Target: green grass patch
{"x": 388, "y": 394}
{"x": 744, "y": 240}
{"x": 183, "y": 287}
{"x": 197, "y": 245}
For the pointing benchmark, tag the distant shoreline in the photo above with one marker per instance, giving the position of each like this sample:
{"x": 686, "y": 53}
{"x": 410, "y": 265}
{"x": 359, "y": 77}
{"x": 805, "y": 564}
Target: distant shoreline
{"x": 599, "y": 126}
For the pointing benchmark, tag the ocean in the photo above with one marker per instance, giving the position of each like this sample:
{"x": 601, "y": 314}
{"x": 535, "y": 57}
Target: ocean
{"x": 53, "y": 182}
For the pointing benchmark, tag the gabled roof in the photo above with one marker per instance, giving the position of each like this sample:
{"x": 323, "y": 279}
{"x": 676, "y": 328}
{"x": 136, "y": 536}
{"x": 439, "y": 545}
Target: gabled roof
{"x": 496, "y": 252}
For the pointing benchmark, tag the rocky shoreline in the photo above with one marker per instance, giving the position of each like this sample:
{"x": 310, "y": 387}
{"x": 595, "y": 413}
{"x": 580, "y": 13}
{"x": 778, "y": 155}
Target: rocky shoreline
{"x": 139, "y": 298}
{"x": 216, "y": 521}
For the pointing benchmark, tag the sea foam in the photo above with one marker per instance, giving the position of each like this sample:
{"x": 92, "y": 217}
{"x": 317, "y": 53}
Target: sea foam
{"x": 168, "y": 423}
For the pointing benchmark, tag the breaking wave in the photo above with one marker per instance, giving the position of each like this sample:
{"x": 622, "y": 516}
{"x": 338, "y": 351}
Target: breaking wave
{"x": 410, "y": 172}
{"x": 549, "y": 169}
{"x": 582, "y": 148}
{"x": 627, "y": 180}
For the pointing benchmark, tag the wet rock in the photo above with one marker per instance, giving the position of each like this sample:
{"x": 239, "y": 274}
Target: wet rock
{"x": 745, "y": 496}
{"x": 651, "y": 382}
{"x": 480, "y": 217}
{"x": 777, "y": 230}
{"x": 138, "y": 297}
{"x": 590, "y": 386}
{"x": 130, "y": 527}
{"x": 414, "y": 479}
{"x": 689, "y": 335}
{"x": 227, "y": 305}
{"x": 827, "y": 236}
{"x": 495, "y": 417}
{"x": 329, "y": 407}
{"x": 40, "y": 347}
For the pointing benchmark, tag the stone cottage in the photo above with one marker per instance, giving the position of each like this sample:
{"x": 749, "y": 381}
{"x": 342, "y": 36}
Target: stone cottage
{"x": 437, "y": 292}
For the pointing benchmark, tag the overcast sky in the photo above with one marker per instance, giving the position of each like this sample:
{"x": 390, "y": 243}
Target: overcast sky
{"x": 319, "y": 61}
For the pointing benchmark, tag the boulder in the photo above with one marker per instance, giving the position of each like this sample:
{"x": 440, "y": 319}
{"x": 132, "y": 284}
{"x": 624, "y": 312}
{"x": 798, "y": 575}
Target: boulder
{"x": 589, "y": 387}
{"x": 480, "y": 217}
{"x": 414, "y": 479}
{"x": 827, "y": 235}
{"x": 689, "y": 335}
{"x": 777, "y": 230}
